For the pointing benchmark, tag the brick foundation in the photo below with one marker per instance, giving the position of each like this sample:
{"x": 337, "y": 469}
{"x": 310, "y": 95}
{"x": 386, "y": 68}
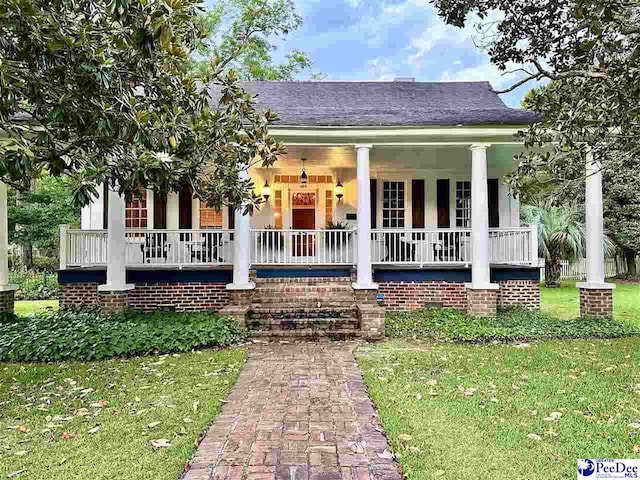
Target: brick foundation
{"x": 180, "y": 297}
{"x": 520, "y": 293}
{"x": 482, "y": 301}
{"x": 113, "y": 301}
{"x": 7, "y": 298}
{"x": 596, "y": 303}
{"x": 404, "y": 296}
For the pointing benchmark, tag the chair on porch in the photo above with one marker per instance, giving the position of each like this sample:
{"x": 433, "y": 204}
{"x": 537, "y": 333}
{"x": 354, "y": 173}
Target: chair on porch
{"x": 398, "y": 250}
{"x": 206, "y": 249}
{"x": 155, "y": 246}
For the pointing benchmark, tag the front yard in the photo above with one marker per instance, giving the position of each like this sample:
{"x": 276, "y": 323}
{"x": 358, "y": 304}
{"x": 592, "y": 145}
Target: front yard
{"x": 114, "y": 419}
{"x": 497, "y": 411}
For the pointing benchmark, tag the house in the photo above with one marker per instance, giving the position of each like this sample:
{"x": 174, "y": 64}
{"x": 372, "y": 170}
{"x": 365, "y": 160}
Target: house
{"x": 391, "y": 196}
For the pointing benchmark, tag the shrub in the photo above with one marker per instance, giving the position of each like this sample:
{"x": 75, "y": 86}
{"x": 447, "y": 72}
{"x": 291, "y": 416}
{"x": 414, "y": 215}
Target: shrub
{"x": 35, "y": 286}
{"x": 509, "y": 325}
{"x": 45, "y": 264}
{"x": 87, "y": 335}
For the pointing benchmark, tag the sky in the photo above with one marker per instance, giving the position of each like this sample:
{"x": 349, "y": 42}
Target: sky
{"x": 384, "y": 39}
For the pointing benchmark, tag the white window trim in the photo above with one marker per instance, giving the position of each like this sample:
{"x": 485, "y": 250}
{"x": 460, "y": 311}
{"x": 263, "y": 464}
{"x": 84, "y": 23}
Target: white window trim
{"x": 380, "y": 202}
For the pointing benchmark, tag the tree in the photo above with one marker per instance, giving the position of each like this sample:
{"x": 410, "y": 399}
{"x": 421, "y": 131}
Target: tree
{"x": 244, "y": 30}
{"x": 40, "y": 212}
{"x": 622, "y": 210}
{"x": 101, "y": 90}
{"x": 589, "y": 50}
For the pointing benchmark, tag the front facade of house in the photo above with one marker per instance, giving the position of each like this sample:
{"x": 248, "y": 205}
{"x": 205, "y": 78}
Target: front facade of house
{"x": 396, "y": 187}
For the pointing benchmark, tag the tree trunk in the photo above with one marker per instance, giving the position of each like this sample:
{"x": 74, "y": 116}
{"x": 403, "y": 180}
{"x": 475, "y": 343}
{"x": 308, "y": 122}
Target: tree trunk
{"x": 26, "y": 247}
{"x": 552, "y": 272}
{"x": 630, "y": 257}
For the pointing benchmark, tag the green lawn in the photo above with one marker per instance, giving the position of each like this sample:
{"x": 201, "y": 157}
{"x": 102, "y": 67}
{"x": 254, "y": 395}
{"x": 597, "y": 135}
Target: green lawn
{"x": 564, "y": 302}
{"x": 99, "y": 420}
{"x": 456, "y": 411}
{"x": 25, "y": 307}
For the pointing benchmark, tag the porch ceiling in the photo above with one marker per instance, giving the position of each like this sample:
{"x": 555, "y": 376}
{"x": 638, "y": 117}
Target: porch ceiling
{"x": 428, "y": 157}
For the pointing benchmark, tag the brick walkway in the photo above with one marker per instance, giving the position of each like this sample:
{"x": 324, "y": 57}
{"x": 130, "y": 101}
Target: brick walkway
{"x": 298, "y": 412}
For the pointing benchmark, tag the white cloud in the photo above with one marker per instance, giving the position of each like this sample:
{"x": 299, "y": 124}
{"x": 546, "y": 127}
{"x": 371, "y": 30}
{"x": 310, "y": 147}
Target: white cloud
{"x": 485, "y": 72}
{"x": 353, "y": 3}
{"x": 380, "y": 69}
{"x": 405, "y": 8}
{"x": 434, "y": 34}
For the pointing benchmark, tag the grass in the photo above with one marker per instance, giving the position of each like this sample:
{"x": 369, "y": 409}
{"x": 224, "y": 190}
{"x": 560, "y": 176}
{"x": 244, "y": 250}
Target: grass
{"x": 495, "y": 411}
{"x": 98, "y": 419}
{"x": 27, "y": 307}
{"x": 564, "y": 302}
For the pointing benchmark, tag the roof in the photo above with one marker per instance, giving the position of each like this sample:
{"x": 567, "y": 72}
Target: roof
{"x": 321, "y": 103}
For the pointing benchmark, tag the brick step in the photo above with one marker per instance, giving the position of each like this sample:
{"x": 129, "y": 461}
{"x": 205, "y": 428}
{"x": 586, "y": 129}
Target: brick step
{"x": 291, "y": 305}
{"x": 302, "y": 281}
{"x": 293, "y": 289}
{"x": 308, "y": 334}
{"x": 261, "y": 312}
{"x": 292, "y": 325}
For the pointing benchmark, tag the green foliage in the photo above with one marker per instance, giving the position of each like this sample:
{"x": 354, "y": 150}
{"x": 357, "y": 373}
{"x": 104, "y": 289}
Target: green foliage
{"x": 561, "y": 236}
{"x": 103, "y": 91}
{"x": 245, "y": 30}
{"x": 86, "y": 335}
{"x": 508, "y": 325}
{"x": 40, "y": 213}
{"x": 589, "y": 51}
{"x": 34, "y": 285}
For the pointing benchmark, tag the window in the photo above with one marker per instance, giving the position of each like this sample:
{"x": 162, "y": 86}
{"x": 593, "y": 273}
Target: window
{"x": 136, "y": 211}
{"x": 463, "y": 204}
{"x": 277, "y": 205}
{"x": 210, "y": 217}
{"x": 328, "y": 205}
{"x": 393, "y": 204}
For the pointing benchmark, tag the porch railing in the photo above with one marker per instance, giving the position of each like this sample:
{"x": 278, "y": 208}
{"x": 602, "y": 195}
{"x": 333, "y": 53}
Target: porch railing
{"x": 419, "y": 247}
{"x": 149, "y": 247}
{"x": 512, "y": 246}
{"x": 302, "y": 247}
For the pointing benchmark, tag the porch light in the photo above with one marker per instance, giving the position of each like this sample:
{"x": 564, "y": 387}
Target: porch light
{"x": 339, "y": 190}
{"x": 266, "y": 191}
{"x": 304, "y": 178}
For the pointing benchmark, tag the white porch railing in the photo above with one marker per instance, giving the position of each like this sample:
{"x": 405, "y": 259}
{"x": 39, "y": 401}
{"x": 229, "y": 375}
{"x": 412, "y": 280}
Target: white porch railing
{"x": 512, "y": 246}
{"x": 151, "y": 247}
{"x": 419, "y": 247}
{"x": 179, "y": 247}
{"x": 302, "y": 247}
{"x": 83, "y": 248}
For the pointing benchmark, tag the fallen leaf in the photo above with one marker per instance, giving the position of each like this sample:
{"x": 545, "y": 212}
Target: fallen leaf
{"x": 161, "y": 443}
{"x": 195, "y": 405}
{"x": 403, "y": 437}
{"x": 23, "y": 429}
{"x": 534, "y": 436}
{"x": 94, "y": 429}
{"x": 386, "y": 455}
{"x": 153, "y": 424}
{"x": 16, "y": 473}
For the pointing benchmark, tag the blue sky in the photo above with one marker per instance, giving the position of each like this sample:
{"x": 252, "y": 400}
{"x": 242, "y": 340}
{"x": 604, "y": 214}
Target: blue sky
{"x": 382, "y": 39}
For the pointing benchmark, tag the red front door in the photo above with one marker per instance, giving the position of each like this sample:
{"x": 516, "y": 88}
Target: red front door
{"x": 303, "y": 217}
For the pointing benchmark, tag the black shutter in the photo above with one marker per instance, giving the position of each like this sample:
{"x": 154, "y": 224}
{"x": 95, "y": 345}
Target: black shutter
{"x": 105, "y": 205}
{"x": 232, "y": 217}
{"x": 417, "y": 203}
{"x": 373, "y": 184}
{"x": 442, "y": 192}
{"x": 494, "y": 210}
{"x": 185, "y": 208}
{"x": 159, "y": 210}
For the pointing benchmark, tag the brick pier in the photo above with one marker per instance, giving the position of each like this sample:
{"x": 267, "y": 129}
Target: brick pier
{"x": 298, "y": 412}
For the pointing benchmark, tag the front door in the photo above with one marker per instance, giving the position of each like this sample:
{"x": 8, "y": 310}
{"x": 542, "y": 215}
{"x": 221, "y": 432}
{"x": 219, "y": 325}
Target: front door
{"x": 303, "y": 217}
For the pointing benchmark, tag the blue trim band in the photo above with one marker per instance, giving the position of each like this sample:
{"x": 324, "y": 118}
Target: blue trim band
{"x": 148, "y": 276}
{"x": 302, "y": 272}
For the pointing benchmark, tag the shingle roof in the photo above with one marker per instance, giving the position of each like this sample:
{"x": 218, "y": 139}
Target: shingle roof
{"x": 385, "y": 103}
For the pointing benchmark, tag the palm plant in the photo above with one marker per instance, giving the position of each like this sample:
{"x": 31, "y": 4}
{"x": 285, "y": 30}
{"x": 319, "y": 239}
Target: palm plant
{"x": 561, "y": 236}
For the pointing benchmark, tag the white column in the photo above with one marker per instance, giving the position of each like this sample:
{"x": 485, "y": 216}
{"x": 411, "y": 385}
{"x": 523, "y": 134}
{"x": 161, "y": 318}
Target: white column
{"x": 4, "y": 241}
{"x": 241, "y": 249}
{"x": 594, "y": 226}
{"x": 363, "y": 187}
{"x": 480, "y": 271}
{"x": 116, "y": 246}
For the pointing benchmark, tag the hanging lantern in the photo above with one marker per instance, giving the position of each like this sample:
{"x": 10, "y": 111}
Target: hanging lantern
{"x": 304, "y": 178}
{"x": 266, "y": 191}
{"x": 339, "y": 190}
